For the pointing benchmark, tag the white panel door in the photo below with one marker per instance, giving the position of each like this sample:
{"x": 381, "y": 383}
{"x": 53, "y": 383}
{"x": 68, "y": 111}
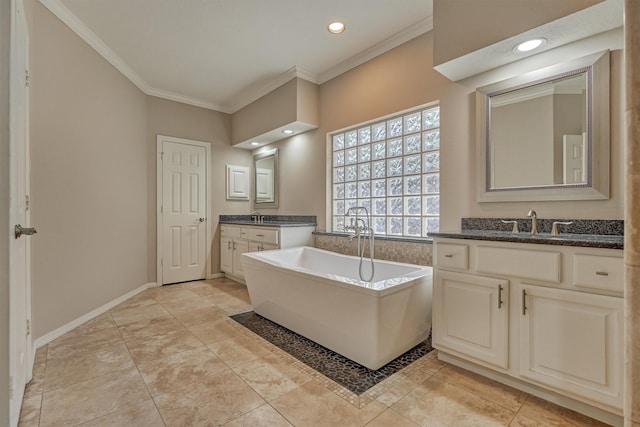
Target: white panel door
{"x": 19, "y": 259}
{"x": 574, "y": 159}
{"x": 184, "y": 192}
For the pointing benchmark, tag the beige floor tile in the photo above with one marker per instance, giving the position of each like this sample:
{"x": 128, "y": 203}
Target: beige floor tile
{"x": 144, "y": 414}
{"x": 398, "y": 389}
{"x": 438, "y": 403}
{"x": 214, "y": 401}
{"x": 166, "y": 294}
{"x": 128, "y": 315}
{"x": 180, "y": 370}
{"x": 161, "y": 346}
{"x": 93, "y": 398}
{"x": 30, "y": 412}
{"x": 229, "y": 302}
{"x": 149, "y": 328}
{"x": 83, "y": 366}
{"x": 271, "y": 376}
{"x": 198, "y": 284}
{"x": 199, "y": 316}
{"x": 391, "y": 418}
{"x": 143, "y": 299}
{"x": 76, "y": 342}
{"x": 536, "y": 412}
{"x": 264, "y": 416}
{"x": 186, "y": 304}
{"x": 41, "y": 355}
{"x": 215, "y": 331}
{"x": 103, "y": 321}
{"x": 313, "y": 405}
{"x": 238, "y": 351}
{"x": 496, "y": 392}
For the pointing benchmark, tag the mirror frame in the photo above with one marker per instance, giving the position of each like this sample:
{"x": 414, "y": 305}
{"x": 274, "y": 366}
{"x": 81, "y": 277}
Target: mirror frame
{"x": 259, "y": 156}
{"x": 596, "y": 67}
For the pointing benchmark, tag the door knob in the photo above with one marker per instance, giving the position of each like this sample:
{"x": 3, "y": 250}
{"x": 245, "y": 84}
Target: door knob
{"x": 24, "y": 231}
{"x": 202, "y": 219}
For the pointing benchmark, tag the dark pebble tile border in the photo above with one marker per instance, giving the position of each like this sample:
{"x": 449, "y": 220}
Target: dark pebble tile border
{"x": 345, "y": 372}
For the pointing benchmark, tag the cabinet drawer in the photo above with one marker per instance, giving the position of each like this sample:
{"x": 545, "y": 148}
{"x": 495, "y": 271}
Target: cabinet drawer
{"x": 265, "y": 235}
{"x": 534, "y": 265}
{"x": 450, "y": 255}
{"x": 230, "y": 230}
{"x": 598, "y": 272}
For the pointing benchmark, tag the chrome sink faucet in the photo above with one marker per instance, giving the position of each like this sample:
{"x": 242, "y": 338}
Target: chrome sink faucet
{"x": 257, "y": 217}
{"x": 534, "y": 221}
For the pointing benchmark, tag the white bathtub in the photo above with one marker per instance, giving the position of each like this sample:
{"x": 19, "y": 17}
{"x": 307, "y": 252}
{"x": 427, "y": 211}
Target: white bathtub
{"x": 317, "y": 294}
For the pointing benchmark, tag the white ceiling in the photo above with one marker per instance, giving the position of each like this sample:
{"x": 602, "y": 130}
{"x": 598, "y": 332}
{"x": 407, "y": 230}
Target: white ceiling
{"x": 224, "y": 54}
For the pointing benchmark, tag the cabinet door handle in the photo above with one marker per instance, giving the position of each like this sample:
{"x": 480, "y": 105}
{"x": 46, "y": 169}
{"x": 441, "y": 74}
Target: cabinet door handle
{"x": 448, "y": 255}
{"x": 500, "y": 296}
{"x": 524, "y": 302}
{"x": 234, "y": 245}
{"x": 229, "y": 245}
{"x": 259, "y": 235}
{"x": 602, "y": 273}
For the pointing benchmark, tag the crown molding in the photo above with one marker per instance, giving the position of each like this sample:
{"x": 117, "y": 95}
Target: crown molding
{"x": 172, "y": 96}
{"x": 384, "y": 46}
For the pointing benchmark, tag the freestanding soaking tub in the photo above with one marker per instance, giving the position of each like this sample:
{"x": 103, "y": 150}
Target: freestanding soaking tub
{"x": 317, "y": 294}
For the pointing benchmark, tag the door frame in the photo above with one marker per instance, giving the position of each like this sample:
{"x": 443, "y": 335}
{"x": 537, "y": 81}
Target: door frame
{"x": 160, "y": 139}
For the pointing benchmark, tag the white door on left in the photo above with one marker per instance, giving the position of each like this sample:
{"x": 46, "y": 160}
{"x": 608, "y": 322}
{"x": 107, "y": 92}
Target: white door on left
{"x": 184, "y": 211}
{"x": 19, "y": 250}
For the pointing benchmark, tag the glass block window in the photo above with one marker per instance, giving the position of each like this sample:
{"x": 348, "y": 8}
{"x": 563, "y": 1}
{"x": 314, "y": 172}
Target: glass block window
{"x": 390, "y": 166}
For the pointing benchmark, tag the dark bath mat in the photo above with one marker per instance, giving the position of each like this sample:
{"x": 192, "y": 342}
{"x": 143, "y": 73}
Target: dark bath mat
{"x": 348, "y": 373}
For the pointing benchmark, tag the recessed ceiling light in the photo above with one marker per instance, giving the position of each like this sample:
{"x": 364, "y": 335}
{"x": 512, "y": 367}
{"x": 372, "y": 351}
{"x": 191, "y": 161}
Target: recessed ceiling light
{"x": 336, "y": 27}
{"x": 530, "y": 45}
{"x": 287, "y": 131}
{"x": 255, "y": 143}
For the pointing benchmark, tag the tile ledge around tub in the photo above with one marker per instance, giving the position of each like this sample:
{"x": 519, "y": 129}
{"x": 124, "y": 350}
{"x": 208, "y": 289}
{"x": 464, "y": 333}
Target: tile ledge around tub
{"x": 426, "y": 240}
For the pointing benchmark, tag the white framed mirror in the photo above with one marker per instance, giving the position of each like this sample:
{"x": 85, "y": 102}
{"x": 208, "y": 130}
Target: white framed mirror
{"x": 544, "y": 135}
{"x": 265, "y": 179}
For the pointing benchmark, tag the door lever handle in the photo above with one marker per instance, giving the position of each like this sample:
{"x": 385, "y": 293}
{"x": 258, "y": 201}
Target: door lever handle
{"x": 24, "y": 231}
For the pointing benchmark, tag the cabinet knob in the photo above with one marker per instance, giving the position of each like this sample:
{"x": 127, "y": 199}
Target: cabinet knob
{"x": 448, "y": 256}
{"x": 602, "y": 273}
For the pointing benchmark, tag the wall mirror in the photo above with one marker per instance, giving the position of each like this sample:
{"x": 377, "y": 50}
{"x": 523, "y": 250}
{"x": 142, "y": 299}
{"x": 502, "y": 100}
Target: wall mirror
{"x": 544, "y": 135}
{"x": 265, "y": 182}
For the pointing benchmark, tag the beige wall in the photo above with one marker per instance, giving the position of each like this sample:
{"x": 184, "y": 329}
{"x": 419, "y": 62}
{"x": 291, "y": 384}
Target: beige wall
{"x": 464, "y": 26}
{"x": 171, "y": 118}
{"x": 403, "y": 78}
{"x": 5, "y": 31}
{"x": 93, "y": 143}
{"x": 89, "y": 176}
{"x": 399, "y": 79}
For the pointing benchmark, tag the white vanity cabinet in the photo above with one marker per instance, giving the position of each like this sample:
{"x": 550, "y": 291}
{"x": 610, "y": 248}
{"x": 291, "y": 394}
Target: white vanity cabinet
{"x": 238, "y": 239}
{"x": 546, "y": 318}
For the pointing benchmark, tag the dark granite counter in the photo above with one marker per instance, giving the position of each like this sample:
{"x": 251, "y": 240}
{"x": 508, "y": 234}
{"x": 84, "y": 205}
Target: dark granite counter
{"x": 271, "y": 220}
{"x": 583, "y": 240}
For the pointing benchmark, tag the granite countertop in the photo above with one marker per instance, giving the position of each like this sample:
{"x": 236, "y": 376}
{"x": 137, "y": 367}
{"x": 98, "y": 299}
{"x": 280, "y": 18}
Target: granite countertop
{"x": 269, "y": 223}
{"x": 584, "y": 240}
{"x": 271, "y": 220}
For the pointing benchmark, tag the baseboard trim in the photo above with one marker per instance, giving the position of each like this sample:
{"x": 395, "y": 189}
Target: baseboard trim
{"x": 216, "y": 275}
{"x": 47, "y": 338}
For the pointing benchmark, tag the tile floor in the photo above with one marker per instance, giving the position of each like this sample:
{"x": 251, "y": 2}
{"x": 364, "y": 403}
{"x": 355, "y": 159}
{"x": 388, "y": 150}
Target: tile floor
{"x": 170, "y": 356}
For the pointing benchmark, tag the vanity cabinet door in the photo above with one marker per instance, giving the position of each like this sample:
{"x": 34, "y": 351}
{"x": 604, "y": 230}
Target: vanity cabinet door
{"x": 240, "y": 247}
{"x": 572, "y": 342}
{"x": 471, "y": 316}
{"x": 226, "y": 254}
